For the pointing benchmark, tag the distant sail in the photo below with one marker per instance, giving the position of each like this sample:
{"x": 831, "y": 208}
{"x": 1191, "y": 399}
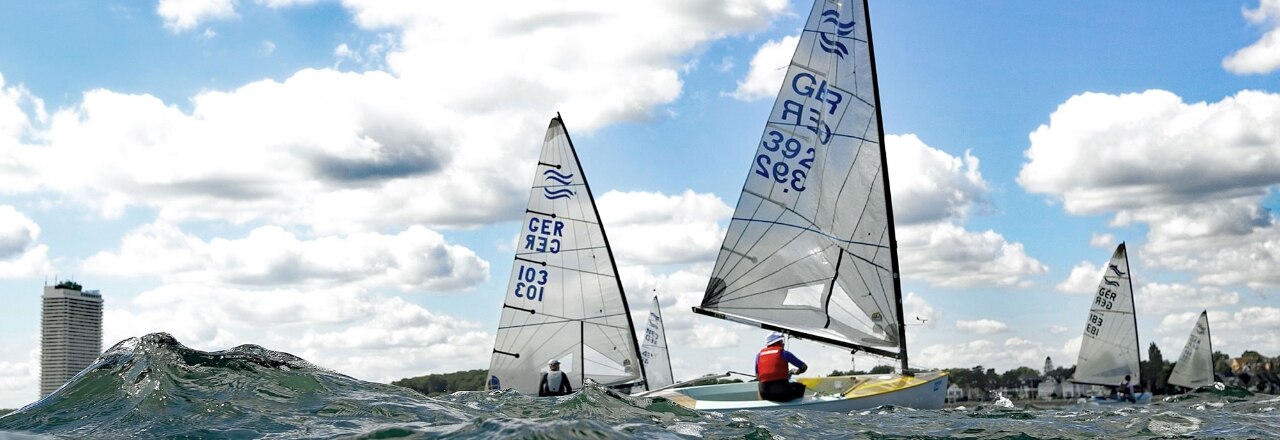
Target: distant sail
{"x": 1109, "y": 350}
{"x": 1195, "y": 365}
{"x": 564, "y": 300}
{"x": 653, "y": 350}
{"x": 810, "y": 248}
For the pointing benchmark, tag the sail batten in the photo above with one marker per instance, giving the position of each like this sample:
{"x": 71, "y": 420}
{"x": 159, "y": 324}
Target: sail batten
{"x": 1109, "y": 349}
{"x": 564, "y": 300}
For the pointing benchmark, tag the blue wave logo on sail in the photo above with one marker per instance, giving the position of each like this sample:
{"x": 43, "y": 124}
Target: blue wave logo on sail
{"x": 832, "y": 44}
{"x": 556, "y": 177}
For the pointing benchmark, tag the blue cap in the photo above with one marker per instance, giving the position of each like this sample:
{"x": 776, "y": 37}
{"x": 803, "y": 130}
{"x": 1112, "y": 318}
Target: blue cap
{"x": 773, "y": 338}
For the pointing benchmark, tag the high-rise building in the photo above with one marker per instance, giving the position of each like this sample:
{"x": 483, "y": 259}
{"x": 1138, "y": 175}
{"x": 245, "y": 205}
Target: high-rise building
{"x": 70, "y": 333}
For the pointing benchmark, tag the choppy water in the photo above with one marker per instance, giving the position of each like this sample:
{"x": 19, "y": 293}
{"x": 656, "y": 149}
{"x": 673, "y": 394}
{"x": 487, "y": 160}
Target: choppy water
{"x": 155, "y": 387}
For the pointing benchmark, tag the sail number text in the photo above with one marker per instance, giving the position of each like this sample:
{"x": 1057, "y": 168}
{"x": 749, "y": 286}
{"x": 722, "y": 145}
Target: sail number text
{"x": 779, "y": 169}
{"x": 542, "y": 233}
{"x": 1106, "y": 298}
{"x": 785, "y": 158}
{"x": 1094, "y": 325}
{"x": 531, "y": 283}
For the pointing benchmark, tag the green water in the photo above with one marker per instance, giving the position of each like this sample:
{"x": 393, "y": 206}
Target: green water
{"x": 155, "y": 387}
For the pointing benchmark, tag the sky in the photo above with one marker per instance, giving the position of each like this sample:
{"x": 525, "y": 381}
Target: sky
{"x": 343, "y": 180}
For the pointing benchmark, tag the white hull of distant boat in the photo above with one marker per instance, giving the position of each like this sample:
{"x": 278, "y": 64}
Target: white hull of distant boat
{"x": 837, "y": 394}
{"x": 1143, "y": 398}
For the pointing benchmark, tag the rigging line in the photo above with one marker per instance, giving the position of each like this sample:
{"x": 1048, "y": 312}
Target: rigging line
{"x": 545, "y": 341}
{"x": 561, "y": 217}
{"x": 815, "y": 282}
{"x": 807, "y": 229}
{"x": 583, "y": 271}
{"x": 565, "y": 320}
{"x": 561, "y": 251}
{"x": 765, "y": 276}
{"x": 834, "y": 134}
{"x": 781, "y": 213}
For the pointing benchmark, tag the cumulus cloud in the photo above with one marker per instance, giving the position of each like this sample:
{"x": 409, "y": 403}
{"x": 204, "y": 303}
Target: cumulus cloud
{"x": 930, "y": 185}
{"x": 768, "y": 68}
{"x": 1155, "y": 299}
{"x": 182, "y": 15}
{"x": 1142, "y": 157}
{"x": 652, "y": 228}
{"x": 345, "y": 329}
{"x": 982, "y": 326}
{"x": 346, "y": 151}
{"x": 1263, "y": 56}
{"x": 20, "y": 379}
{"x": 711, "y": 336}
{"x": 950, "y": 256}
{"x": 1084, "y": 278}
{"x": 1102, "y": 240}
{"x": 416, "y": 259}
{"x": 1102, "y": 152}
{"x": 916, "y": 310}
{"x": 934, "y": 193}
{"x": 21, "y": 254}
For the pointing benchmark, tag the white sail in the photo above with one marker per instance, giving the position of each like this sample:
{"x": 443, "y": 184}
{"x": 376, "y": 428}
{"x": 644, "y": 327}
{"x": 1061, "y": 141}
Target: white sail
{"x": 1109, "y": 350}
{"x": 563, "y": 300}
{"x": 653, "y": 351}
{"x": 1195, "y": 365}
{"x": 810, "y": 248}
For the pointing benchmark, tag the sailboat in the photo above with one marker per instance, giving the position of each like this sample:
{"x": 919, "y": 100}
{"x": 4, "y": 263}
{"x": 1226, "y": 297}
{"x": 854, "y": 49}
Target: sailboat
{"x": 654, "y": 354}
{"x": 811, "y": 250}
{"x": 1109, "y": 349}
{"x": 564, "y": 300}
{"x": 1195, "y": 365}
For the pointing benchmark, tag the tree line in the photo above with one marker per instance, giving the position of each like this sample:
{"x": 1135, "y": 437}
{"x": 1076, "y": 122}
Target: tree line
{"x": 1155, "y": 373}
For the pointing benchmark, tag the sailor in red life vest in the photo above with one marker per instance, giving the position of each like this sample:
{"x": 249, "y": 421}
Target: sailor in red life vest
{"x": 772, "y": 372}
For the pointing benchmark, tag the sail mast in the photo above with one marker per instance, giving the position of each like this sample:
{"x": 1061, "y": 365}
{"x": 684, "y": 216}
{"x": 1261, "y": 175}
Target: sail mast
{"x": 1208, "y": 334}
{"x": 888, "y": 202}
{"x": 1137, "y": 344}
{"x": 670, "y": 371}
{"x": 608, "y": 249}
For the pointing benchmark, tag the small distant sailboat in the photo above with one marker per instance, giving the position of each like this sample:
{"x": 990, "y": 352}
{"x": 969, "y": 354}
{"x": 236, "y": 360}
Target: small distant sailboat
{"x": 564, "y": 301}
{"x": 1195, "y": 365}
{"x": 1109, "y": 350}
{"x": 810, "y": 250}
{"x": 654, "y": 354}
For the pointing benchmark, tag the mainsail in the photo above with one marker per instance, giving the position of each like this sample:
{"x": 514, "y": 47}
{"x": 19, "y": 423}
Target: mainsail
{"x": 810, "y": 250}
{"x": 1109, "y": 350}
{"x": 1195, "y": 365}
{"x": 564, "y": 300}
{"x": 653, "y": 351}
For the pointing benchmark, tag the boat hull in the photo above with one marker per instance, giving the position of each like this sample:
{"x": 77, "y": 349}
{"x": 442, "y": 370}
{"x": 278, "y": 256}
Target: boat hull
{"x": 1142, "y": 399}
{"x": 925, "y": 390}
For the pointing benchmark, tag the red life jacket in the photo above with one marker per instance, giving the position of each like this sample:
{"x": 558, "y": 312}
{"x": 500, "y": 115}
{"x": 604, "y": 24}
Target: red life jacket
{"x": 770, "y": 365}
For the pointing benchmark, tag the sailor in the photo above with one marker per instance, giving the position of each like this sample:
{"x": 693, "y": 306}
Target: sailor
{"x": 772, "y": 372}
{"x": 1126, "y": 390}
{"x": 554, "y": 382}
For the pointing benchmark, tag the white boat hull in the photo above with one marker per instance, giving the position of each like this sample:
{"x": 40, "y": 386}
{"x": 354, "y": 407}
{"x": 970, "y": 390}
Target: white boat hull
{"x": 925, "y": 390}
{"x": 1142, "y": 399}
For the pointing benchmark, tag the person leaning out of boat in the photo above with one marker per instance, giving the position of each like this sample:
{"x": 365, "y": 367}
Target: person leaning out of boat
{"x": 554, "y": 382}
{"x": 773, "y": 373}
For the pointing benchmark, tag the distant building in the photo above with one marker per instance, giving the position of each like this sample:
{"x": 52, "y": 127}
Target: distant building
{"x": 70, "y": 333}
